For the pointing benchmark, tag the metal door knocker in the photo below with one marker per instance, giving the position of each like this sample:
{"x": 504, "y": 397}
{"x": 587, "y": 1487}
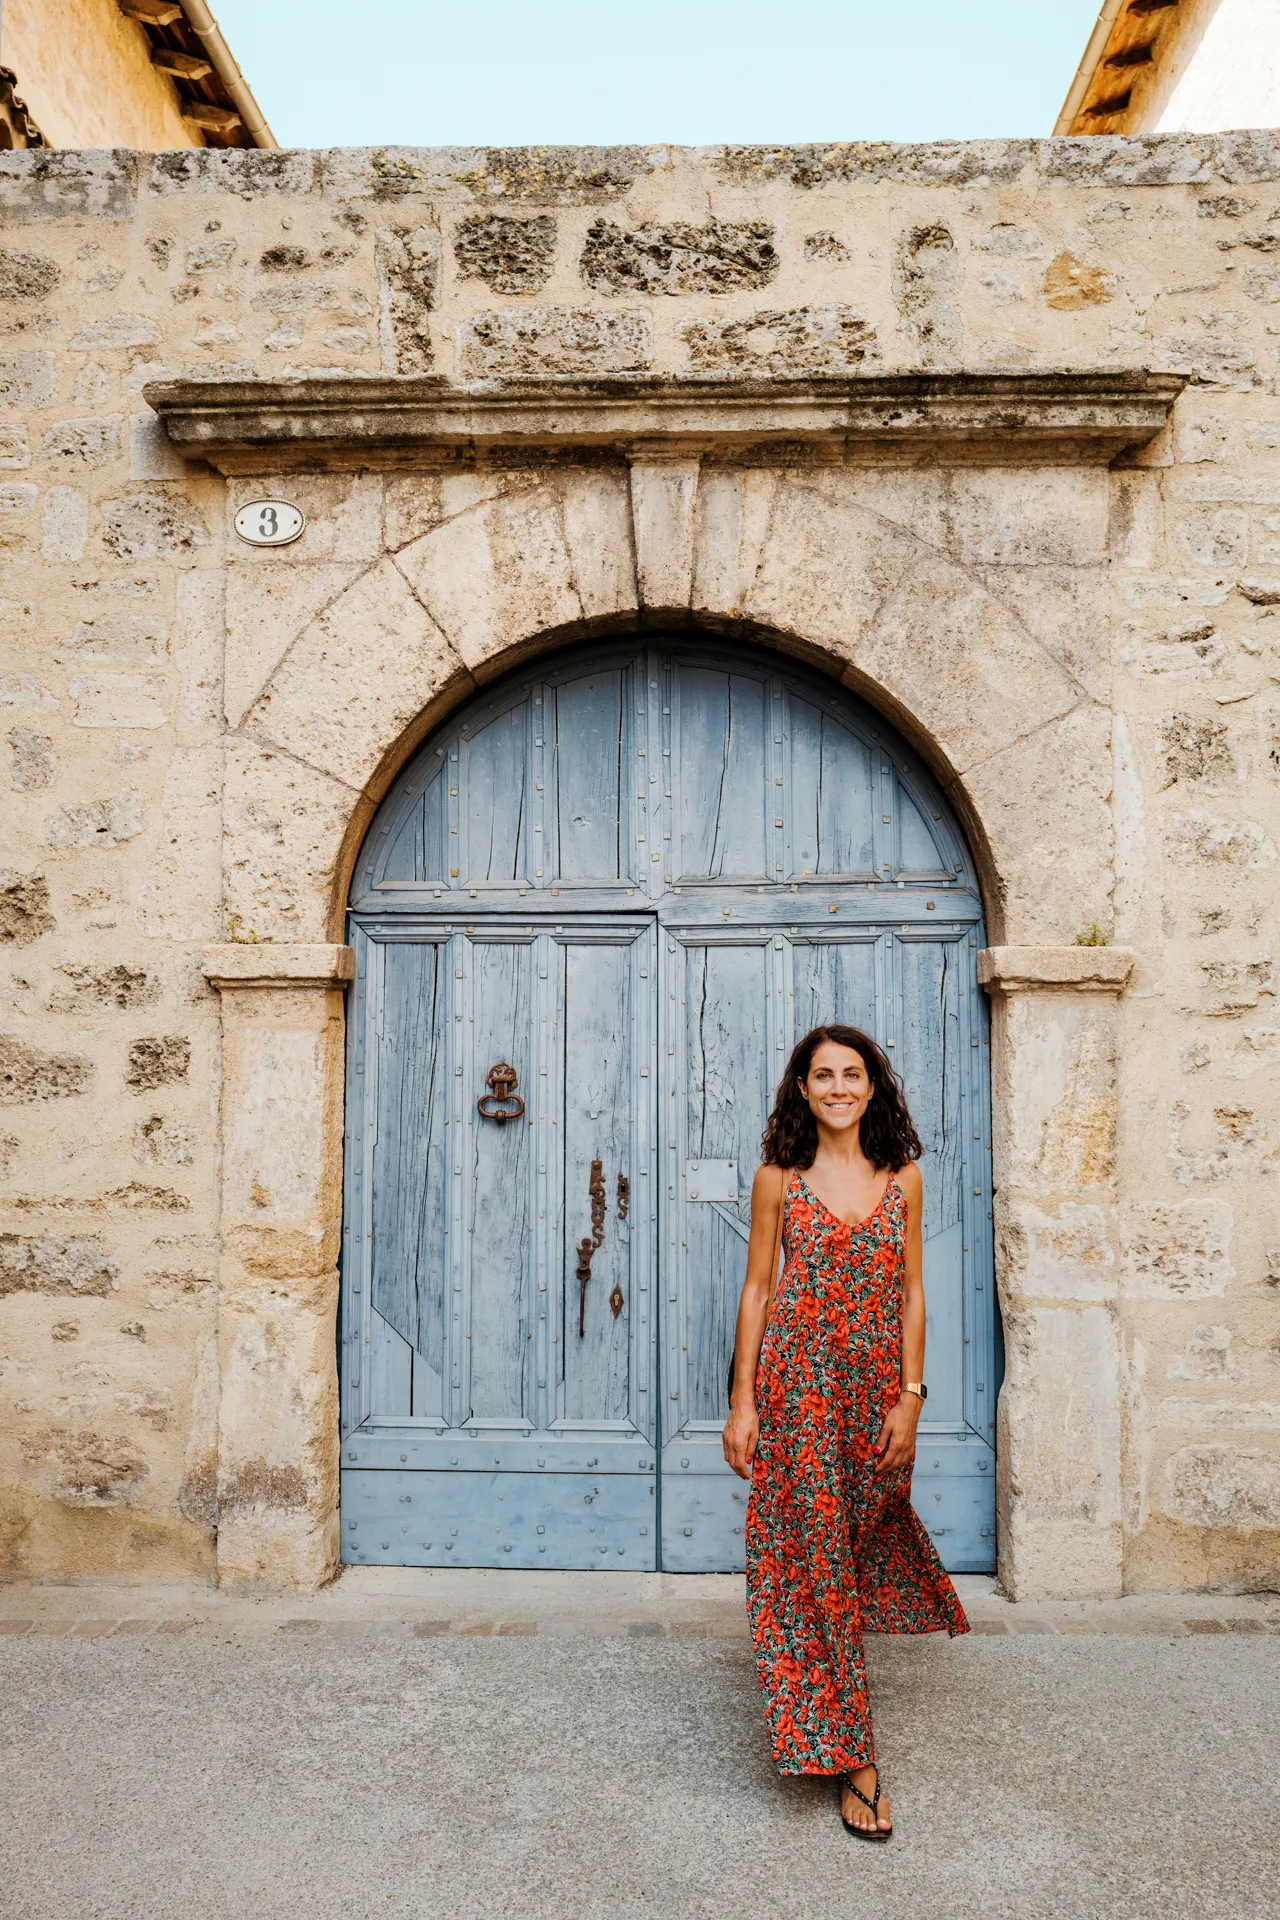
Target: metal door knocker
{"x": 502, "y": 1082}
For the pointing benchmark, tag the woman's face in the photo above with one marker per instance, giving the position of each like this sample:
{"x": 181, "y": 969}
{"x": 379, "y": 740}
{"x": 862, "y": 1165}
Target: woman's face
{"x": 838, "y": 1088}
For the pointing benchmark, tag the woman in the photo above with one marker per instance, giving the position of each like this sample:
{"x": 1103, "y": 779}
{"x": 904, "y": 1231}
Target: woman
{"x": 834, "y": 1547}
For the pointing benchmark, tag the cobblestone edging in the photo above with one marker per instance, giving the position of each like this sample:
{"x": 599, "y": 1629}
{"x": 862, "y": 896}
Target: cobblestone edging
{"x": 406, "y": 1604}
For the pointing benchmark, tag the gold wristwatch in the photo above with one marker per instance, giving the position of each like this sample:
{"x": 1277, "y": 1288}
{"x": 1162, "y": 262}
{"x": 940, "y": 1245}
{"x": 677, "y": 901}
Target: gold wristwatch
{"x": 916, "y": 1386}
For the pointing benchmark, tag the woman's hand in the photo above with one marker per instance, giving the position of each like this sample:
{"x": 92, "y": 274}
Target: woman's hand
{"x": 896, "y": 1445}
{"x": 741, "y": 1437}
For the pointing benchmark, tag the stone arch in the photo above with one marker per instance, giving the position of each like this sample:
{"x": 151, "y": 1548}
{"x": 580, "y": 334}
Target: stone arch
{"x": 967, "y": 605}
{"x": 966, "y": 624}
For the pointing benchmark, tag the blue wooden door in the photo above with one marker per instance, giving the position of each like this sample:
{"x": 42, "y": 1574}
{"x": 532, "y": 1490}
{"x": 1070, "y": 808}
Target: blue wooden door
{"x": 633, "y": 880}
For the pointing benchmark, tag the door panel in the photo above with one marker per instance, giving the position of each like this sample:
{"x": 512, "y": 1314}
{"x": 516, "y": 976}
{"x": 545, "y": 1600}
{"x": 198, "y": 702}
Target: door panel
{"x": 497, "y": 1357}
{"x": 740, "y": 1004}
{"x": 634, "y": 873}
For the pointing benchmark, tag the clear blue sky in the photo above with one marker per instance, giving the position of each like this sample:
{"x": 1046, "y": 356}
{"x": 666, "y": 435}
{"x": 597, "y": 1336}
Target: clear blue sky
{"x": 586, "y": 72}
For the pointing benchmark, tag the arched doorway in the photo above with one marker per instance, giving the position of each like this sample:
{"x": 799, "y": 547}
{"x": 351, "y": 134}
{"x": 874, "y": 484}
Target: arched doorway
{"x": 589, "y": 920}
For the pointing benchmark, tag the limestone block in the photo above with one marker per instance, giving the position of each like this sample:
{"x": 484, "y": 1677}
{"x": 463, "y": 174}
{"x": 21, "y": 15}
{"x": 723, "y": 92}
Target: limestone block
{"x": 1048, "y": 516}
{"x": 1054, "y": 1092}
{"x": 152, "y": 526}
{"x": 33, "y": 764}
{"x": 48, "y": 1263}
{"x": 509, "y": 255}
{"x": 826, "y": 569}
{"x": 1063, "y": 1255}
{"x": 25, "y": 275}
{"x": 662, "y": 497}
{"x": 15, "y": 448}
{"x": 275, "y": 1151}
{"x": 1065, "y": 610}
{"x": 731, "y": 522}
{"x": 343, "y": 520}
{"x": 678, "y": 257}
{"x": 1255, "y": 1417}
{"x": 29, "y": 1074}
{"x": 266, "y": 609}
{"x": 119, "y": 700}
{"x": 1221, "y": 1486}
{"x": 24, "y": 907}
{"x": 595, "y": 508}
{"x": 1178, "y": 1250}
{"x": 495, "y": 576}
{"x": 181, "y": 895}
{"x": 926, "y": 281}
{"x": 283, "y": 827}
{"x": 781, "y": 342}
{"x": 199, "y": 643}
{"x": 157, "y": 1061}
{"x": 281, "y": 1220}
{"x": 1058, "y": 1454}
{"x": 96, "y": 823}
{"x": 553, "y": 340}
{"x": 1043, "y": 804}
{"x": 356, "y": 678}
{"x": 127, "y": 639}
{"x": 66, "y": 523}
{"x": 26, "y": 380}
{"x": 1196, "y": 837}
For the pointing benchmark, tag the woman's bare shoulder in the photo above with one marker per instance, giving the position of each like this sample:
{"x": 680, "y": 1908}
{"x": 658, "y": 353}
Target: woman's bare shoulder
{"x": 768, "y": 1183}
{"x": 911, "y": 1182}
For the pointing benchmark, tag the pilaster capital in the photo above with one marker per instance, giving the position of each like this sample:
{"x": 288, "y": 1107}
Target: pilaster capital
{"x": 267, "y": 963}
{"x": 1055, "y": 969}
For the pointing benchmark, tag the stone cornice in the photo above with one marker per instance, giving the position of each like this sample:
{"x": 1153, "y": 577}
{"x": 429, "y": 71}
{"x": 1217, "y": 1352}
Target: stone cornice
{"x": 1066, "y": 417}
{"x": 1055, "y": 969}
{"x": 266, "y": 963}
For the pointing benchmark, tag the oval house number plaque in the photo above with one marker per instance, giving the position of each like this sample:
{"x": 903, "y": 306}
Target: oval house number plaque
{"x": 269, "y": 523}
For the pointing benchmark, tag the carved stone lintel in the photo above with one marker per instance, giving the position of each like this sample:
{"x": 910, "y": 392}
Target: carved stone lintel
{"x": 1068, "y": 417}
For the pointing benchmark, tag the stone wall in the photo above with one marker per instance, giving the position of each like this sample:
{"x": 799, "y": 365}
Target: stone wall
{"x": 1090, "y": 660}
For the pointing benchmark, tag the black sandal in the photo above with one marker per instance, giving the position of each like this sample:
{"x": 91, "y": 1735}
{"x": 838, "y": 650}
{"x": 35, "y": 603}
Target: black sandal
{"x": 866, "y": 1833}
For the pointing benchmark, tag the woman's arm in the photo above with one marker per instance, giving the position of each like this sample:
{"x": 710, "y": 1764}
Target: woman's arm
{"x": 742, "y": 1428}
{"x": 896, "y": 1444}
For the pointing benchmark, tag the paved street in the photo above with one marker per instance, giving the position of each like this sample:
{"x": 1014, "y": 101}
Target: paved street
{"x": 480, "y": 1745}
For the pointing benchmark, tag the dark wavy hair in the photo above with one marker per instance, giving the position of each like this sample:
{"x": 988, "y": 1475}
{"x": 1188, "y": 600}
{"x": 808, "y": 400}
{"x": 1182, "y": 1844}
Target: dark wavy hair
{"x": 888, "y": 1137}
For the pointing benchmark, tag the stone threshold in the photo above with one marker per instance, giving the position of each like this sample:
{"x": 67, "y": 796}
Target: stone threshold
{"x": 429, "y": 1603}
{"x": 1066, "y": 417}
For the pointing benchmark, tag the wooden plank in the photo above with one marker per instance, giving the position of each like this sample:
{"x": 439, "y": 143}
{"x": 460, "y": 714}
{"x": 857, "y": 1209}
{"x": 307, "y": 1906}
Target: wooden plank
{"x": 598, "y": 1065}
{"x": 390, "y": 1366}
{"x": 721, "y": 781}
{"x": 497, "y": 1166}
{"x": 409, "y": 1177}
{"x": 591, "y": 814}
{"x": 495, "y": 800}
{"x": 829, "y": 796}
{"x": 727, "y": 1089}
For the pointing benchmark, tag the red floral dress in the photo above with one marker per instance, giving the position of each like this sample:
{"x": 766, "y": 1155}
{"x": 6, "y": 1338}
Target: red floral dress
{"x": 832, "y": 1550}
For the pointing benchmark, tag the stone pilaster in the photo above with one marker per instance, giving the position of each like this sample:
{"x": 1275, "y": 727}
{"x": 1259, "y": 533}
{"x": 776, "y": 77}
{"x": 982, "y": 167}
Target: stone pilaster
{"x": 1059, "y": 1424}
{"x": 281, "y": 1220}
